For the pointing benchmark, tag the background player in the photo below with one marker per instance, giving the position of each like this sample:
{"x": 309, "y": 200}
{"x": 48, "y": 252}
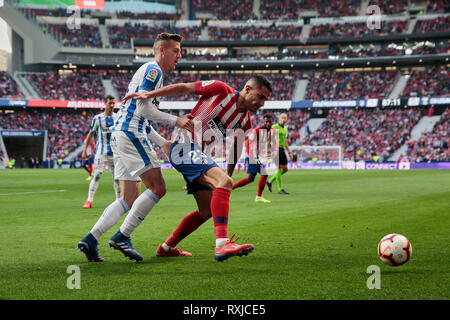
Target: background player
{"x": 254, "y": 166}
{"x": 88, "y": 163}
{"x": 282, "y": 166}
{"x": 220, "y": 108}
{"x": 101, "y": 125}
{"x": 134, "y": 157}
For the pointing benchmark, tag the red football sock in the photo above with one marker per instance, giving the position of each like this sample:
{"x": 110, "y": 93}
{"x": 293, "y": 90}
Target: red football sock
{"x": 188, "y": 225}
{"x": 261, "y": 185}
{"x": 240, "y": 183}
{"x": 220, "y": 205}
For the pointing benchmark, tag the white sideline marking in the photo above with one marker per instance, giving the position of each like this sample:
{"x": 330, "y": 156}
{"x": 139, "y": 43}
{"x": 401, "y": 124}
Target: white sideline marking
{"x": 31, "y": 192}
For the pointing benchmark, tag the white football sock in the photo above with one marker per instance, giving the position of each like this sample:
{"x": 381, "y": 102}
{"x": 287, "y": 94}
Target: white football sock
{"x": 93, "y": 186}
{"x": 140, "y": 209}
{"x": 109, "y": 217}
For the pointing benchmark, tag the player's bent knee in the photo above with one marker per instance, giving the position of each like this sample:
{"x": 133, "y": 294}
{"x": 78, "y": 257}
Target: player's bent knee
{"x": 225, "y": 182}
{"x": 159, "y": 191}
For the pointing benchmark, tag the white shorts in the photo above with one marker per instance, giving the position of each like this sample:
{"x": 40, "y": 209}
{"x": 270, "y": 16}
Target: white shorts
{"x": 100, "y": 162}
{"x": 133, "y": 155}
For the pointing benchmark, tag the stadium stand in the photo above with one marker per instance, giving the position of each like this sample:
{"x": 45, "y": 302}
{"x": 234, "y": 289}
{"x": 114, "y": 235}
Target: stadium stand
{"x": 432, "y": 82}
{"x": 305, "y": 29}
{"x": 9, "y": 87}
{"x": 71, "y": 86}
{"x": 432, "y": 145}
{"x": 347, "y": 85}
{"x": 66, "y": 130}
{"x": 365, "y": 134}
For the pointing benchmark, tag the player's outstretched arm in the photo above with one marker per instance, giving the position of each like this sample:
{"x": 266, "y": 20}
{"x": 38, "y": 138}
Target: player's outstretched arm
{"x": 167, "y": 91}
{"x": 86, "y": 144}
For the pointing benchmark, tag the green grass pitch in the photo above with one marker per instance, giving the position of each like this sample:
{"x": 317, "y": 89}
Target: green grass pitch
{"x": 316, "y": 243}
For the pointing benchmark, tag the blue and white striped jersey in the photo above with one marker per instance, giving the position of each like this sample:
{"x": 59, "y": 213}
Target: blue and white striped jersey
{"x": 102, "y": 124}
{"x": 133, "y": 115}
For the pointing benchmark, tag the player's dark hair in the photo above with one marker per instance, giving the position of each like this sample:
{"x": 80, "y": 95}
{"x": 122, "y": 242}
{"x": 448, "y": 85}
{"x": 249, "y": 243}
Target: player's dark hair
{"x": 168, "y": 36}
{"x": 109, "y": 97}
{"x": 268, "y": 115}
{"x": 261, "y": 80}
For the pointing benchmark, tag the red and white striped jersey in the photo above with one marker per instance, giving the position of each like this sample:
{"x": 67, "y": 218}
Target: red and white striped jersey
{"x": 217, "y": 110}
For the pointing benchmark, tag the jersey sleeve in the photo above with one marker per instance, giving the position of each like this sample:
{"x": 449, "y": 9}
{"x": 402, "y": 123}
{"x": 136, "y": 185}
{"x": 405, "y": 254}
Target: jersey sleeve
{"x": 212, "y": 88}
{"x": 152, "y": 77}
{"x": 94, "y": 125}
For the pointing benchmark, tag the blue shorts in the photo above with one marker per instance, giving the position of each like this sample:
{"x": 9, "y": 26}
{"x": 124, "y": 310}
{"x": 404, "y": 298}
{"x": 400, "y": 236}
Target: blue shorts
{"x": 191, "y": 162}
{"x": 252, "y": 168}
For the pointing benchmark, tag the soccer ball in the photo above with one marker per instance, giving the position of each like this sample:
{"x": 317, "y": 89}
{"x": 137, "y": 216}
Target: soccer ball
{"x": 394, "y": 249}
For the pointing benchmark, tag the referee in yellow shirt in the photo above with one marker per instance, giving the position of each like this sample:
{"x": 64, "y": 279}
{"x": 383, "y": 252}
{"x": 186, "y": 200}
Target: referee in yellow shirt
{"x": 283, "y": 147}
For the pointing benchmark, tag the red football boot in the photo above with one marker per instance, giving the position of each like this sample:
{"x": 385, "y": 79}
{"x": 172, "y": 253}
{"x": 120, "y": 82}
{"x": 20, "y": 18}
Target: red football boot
{"x": 230, "y": 249}
{"x": 160, "y": 252}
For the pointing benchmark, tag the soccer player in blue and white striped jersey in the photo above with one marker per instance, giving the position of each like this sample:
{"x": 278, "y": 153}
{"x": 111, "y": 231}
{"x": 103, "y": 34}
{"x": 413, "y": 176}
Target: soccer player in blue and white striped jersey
{"x": 101, "y": 126}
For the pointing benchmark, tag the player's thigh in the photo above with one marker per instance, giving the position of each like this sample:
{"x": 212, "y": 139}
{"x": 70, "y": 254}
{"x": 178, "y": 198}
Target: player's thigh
{"x": 216, "y": 178}
{"x": 134, "y": 151}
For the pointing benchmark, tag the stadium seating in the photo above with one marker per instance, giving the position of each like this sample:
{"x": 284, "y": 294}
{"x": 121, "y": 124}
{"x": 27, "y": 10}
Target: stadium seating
{"x": 349, "y": 85}
{"x": 225, "y": 9}
{"x": 364, "y": 134}
{"x": 289, "y": 9}
{"x": 355, "y": 30}
{"x": 438, "y": 24}
{"x": 72, "y": 86}
{"x": 433, "y": 82}
{"x": 432, "y": 145}
{"x": 87, "y": 36}
{"x": 66, "y": 130}
{"x": 8, "y": 86}
{"x": 273, "y": 32}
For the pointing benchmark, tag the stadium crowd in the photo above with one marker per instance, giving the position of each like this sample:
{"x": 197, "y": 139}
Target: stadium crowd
{"x": 66, "y": 130}
{"x": 225, "y": 9}
{"x": 71, "y": 86}
{"x": 371, "y": 134}
{"x": 86, "y": 36}
{"x": 9, "y": 87}
{"x": 433, "y": 145}
{"x": 349, "y": 85}
{"x": 432, "y": 82}
{"x": 356, "y": 30}
{"x": 273, "y": 32}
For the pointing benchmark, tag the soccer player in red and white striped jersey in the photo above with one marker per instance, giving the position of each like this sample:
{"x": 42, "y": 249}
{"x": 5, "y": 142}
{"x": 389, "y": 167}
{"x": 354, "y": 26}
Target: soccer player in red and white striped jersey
{"x": 221, "y": 111}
